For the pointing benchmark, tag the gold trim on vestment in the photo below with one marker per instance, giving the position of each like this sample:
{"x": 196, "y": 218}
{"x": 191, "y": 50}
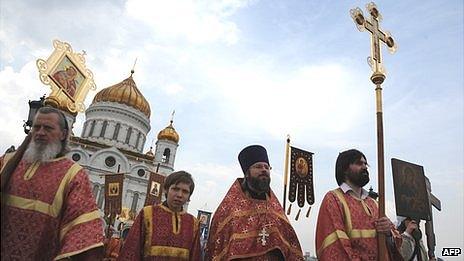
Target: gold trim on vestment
{"x": 330, "y": 239}
{"x": 350, "y": 232}
{"x": 65, "y": 255}
{"x": 148, "y": 222}
{"x": 79, "y": 220}
{"x": 167, "y": 251}
{"x": 252, "y": 234}
{"x": 31, "y": 170}
{"x": 36, "y": 205}
{"x": 347, "y": 216}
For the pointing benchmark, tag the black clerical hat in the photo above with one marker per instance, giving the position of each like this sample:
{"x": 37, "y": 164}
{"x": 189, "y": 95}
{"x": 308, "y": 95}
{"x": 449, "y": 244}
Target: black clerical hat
{"x": 252, "y": 154}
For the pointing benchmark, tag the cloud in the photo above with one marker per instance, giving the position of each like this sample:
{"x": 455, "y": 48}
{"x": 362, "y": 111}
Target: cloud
{"x": 17, "y": 89}
{"x": 197, "y": 22}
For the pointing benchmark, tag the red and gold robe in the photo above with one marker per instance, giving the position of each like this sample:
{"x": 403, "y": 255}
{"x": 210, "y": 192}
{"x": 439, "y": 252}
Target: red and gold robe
{"x": 237, "y": 229}
{"x": 345, "y": 228}
{"x": 155, "y": 236}
{"x": 49, "y": 212}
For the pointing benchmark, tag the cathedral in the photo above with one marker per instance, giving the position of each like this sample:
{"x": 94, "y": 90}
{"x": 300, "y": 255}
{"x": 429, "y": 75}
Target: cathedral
{"x": 112, "y": 141}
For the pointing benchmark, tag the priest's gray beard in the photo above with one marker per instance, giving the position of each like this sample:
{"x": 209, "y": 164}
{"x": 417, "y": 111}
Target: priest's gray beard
{"x": 42, "y": 152}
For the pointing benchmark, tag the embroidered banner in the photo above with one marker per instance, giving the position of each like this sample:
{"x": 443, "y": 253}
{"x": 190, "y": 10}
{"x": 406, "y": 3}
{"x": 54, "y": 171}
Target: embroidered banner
{"x": 154, "y": 189}
{"x": 113, "y": 193}
{"x": 301, "y": 177}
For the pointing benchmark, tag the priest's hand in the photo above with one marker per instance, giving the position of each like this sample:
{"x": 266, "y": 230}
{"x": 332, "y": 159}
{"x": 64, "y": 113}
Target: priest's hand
{"x": 384, "y": 225}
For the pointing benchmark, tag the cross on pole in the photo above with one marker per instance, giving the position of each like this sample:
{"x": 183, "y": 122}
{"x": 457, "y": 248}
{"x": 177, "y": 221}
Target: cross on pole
{"x": 435, "y": 202}
{"x": 378, "y": 76}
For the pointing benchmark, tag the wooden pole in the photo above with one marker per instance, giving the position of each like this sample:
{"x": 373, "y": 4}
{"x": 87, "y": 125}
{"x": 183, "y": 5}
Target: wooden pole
{"x": 380, "y": 168}
{"x": 287, "y": 152}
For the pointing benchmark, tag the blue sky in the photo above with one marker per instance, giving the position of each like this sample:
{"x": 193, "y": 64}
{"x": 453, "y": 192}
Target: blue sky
{"x": 244, "y": 72}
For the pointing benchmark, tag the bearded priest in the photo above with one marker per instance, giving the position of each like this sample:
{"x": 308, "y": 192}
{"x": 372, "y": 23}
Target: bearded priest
{"x": 250, "y": 223}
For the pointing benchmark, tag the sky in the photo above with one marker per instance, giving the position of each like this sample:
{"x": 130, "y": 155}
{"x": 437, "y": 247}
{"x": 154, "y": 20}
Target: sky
{"x": 241, "y": 72}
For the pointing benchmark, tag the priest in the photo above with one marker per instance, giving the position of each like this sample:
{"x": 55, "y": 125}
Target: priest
{"x": 250, "y": 223}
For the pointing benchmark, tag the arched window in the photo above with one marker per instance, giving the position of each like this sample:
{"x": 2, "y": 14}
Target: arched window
{"x": 116, "y": 131}
{"x": 134, "y": 202}
{"x": 166, "y": 155}
{"x": 85, "y": 129}
{"x": 138, "y": 140}
{"x": 129, "y": 132}
{"x": 103, "y": 130}
{"x": 92, "y": 127}
{"x": 95, "y": 190}
{"x": 101, "y": 197}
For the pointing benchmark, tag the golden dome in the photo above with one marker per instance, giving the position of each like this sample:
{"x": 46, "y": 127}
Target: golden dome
{"x": 169, "y": 133}
{"x": 125, "y": 92}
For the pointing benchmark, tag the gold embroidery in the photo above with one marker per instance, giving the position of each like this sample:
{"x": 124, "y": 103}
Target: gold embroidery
{"x": 79, "y": 220}
{"x": 55, "y": 208}
{"x": 148, "y": 221}
{"x": 330, "y": 239}
{"x": 346, "y": 209}
{"x": 253, "y": 234}
{"x": 168, "y": 251}
{"x": 31, "y": 170}
{"x": 248, "y": 213}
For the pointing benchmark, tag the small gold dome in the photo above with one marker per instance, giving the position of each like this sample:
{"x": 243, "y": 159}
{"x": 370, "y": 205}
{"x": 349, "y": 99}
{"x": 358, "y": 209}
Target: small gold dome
{"x": 125, "y": 92}
{"x": 169, "y": 133}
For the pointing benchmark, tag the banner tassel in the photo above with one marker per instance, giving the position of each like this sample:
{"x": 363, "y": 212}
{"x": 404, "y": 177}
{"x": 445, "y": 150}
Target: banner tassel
{"x": 289, "y": 209}
{"x": 298, "y": 215}
{"x": 307, "y": 213}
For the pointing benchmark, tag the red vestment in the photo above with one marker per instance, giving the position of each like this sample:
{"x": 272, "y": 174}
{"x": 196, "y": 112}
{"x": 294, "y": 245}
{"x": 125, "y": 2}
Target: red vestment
{"x": 346, "y": 229}
{"x": 237, "y": 229}
{"x": 158, "y": 233}
{"x": 49, "y": 212}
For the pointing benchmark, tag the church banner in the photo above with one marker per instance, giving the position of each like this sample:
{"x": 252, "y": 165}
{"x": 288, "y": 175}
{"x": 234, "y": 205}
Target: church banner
{"x": 301, "y": 177}
{"x": 204, "y": 218}
{"x": 113, "y": 193}
{"x": 154, "y": 189}
{"x": 411, "y": 196}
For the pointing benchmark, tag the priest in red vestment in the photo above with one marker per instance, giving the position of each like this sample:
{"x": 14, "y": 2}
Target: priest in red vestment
{"x": 164, "y": 231}
{"x": 250, "y": 223}
{"x": 348, "y": 220}
{"x": 49, "y": 211}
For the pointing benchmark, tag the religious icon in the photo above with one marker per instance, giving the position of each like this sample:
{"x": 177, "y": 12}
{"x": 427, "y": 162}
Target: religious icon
{"x": 411, "y": 196}
{"x": 67, "y": 77}
{"x": 155, "y": 188}
{"x": 113, "y": 189}
{"x": 203, "y": 219}
{"x": 301, "y": 167}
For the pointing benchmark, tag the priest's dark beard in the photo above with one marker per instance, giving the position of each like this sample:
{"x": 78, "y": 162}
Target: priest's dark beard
{"x": 358, "y": 179}
{"x": 258, "y": 184}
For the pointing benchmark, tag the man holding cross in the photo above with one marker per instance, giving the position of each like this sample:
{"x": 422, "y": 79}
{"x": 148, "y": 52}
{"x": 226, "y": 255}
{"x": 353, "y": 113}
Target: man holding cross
{"x": 250, "y": 223}
{"x": 348, "y": 222}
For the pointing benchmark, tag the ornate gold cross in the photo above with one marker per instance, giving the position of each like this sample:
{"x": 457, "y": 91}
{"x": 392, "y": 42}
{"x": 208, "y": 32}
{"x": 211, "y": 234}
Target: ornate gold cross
{"x": 263, "y": 236}
{"x": 377, "y": 36}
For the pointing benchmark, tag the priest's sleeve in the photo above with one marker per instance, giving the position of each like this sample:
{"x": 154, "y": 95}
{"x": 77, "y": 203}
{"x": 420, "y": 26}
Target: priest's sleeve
{"x": 332, "y": 242}
{"x": 132, "y": 248}
{"x": 81, "y": 227}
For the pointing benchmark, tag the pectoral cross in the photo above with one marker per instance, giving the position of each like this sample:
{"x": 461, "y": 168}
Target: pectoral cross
{"x": 435, "y": 202}
{"x": 263, "y": 236}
